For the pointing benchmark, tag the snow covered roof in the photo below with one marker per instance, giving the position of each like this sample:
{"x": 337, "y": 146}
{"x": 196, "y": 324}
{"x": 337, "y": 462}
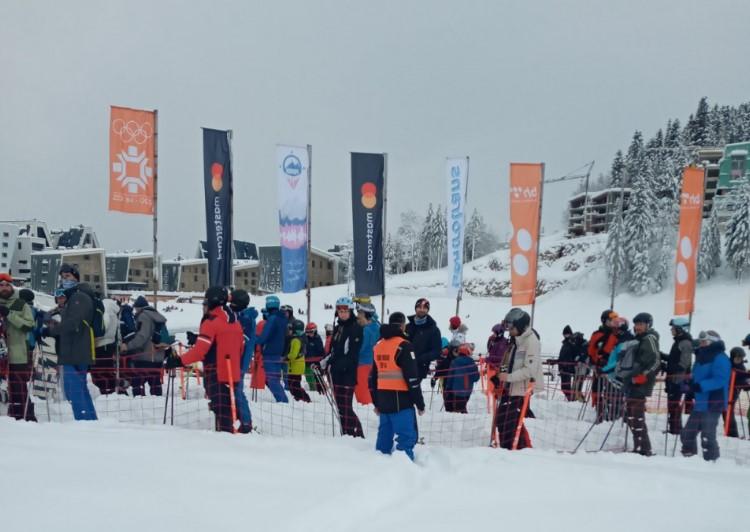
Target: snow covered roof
{"x": 738, "y": 153}
{"x": 68, "y": 252}
{"x": 131, "y": 254}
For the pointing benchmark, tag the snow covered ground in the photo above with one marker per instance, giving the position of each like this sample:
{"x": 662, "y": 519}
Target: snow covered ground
{"x": 116, "y": 477}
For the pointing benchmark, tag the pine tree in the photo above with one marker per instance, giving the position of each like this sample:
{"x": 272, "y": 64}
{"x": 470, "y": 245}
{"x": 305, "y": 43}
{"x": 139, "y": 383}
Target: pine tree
{"x": 614, "y": 253}
{"x": 634, "y": 160}
{"x": 697, "y": 129}
{"x": 440, "y": 236}
{"x": 665, "y": 242}
{"x": 738, "y": 230}
{"x": 617, "y": 171}
{"x": 639, "y": 232}
{"x": 409, "y": 232}
{"x": 473, "y": 235}
{"x": 709, "y": 254}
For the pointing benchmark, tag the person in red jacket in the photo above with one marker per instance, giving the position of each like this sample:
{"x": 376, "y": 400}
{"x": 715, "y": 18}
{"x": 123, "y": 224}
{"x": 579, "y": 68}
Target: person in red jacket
{"x": 219, "y": 346}
{"x": 601, "y": 344}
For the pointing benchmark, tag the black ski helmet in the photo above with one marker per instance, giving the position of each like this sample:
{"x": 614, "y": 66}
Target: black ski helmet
{"x": 644, "y": 317}
{"x": 216, "y": 296}
{"x": 298, "y": 328}
{"x": 607, "y": 315}
{"x": 239, "y": 299}
{"x": 518, "y": 318}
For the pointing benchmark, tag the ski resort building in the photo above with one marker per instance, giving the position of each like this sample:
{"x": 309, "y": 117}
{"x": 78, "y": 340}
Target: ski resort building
{"x": 130, "y": 271}
{"x": 18, "y": 240}
{"x": 45, "y": 267}
{"x": 595, "y": 211}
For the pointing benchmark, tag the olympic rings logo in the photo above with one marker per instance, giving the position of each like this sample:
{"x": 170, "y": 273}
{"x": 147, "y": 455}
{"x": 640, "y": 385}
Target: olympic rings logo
{"x": 132, "y": 131}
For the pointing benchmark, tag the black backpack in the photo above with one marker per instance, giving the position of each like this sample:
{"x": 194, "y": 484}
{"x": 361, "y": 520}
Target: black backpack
{"x": 97, "y": 323}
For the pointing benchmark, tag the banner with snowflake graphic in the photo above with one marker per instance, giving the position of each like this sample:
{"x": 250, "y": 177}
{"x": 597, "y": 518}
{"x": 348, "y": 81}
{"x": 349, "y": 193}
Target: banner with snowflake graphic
{"x": 292, "y": 172}
{"x": 131, "y": 160}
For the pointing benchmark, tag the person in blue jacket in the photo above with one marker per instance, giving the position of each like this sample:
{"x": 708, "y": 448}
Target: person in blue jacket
{"x": 710, "y": 384}
{"x": 368, "y": 319}
{"x": 459, "y": 382}
{"x": 246, "y": 315}
{"x": 273, "y": 341}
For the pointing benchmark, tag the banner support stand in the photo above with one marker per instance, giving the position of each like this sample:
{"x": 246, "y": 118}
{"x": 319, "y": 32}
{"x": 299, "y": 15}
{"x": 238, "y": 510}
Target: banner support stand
{"x": 309, "y": 228}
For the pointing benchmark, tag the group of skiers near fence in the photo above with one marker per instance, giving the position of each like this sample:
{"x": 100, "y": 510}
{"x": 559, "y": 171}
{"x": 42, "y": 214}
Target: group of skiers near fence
{"x": 379, "y": 364}
{"x": 700, "y": 378}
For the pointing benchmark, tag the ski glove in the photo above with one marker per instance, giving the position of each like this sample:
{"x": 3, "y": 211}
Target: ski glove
{"x": 640, "y": 379}
{"x": 173, "y": 362}
{"x": 695, "y": 387}
{"x": 191, "y": 338}
{"x": 495, "y": 380}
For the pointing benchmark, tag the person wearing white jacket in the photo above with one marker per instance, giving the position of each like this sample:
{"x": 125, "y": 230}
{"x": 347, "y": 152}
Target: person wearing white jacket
{"x": 103, "y": 373}
{"x": 521, "y": 366}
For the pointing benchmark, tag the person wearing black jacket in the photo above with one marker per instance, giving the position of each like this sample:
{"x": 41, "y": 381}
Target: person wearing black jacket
{"x": 572, "y": 351}
{"x": 395, "y": 389}
{"x": 343, "y": 362}
{"x": 424, "y": 335}
{"x": 678, "y": 365}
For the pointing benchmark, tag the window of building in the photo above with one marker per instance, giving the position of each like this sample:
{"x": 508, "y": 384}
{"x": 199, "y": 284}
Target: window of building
{"x": 195, "y": 278}
{"x": 37, "y": 247}
{"x": 203, "y": 270}
{"x": 4, "y": 265}
{"x": 182, "y": 285}
{"x": 313, "y": 263}
{"x": 5, "y": 244}
{"x": 19, "y": 246}
{"x": 330, "y": 265}
{"x": 23, "y": 261}
{"x": 5, "y": 255}
{"x": 253, "y": 274}
{"x": 137, "y": 272}
{"x": 24, "y": 270}
{"x": 87, "y": 257}
{"x": 86, "y": 277}
{"x": 6, "y": 235}
{"x": 96, "y": 278}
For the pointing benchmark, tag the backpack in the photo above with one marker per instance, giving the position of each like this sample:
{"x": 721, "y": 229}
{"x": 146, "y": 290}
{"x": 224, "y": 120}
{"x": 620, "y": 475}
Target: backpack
{"x": 161, "y": 335}
{"x": 97, "y": 323}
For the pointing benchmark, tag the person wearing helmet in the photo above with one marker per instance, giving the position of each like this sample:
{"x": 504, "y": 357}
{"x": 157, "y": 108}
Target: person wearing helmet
{"x": 219, "y": 346}
{"x": 273, "y": 342}
{"x": 710, "y": 384}
{"x": 638, "y": 370}
{"x": 367, "y": 319}
{"x": 741, "y": 378}
{"x": 677, "y": 366}
{"x": 239, "y": 303}
{"x": 521, "y": 366}
{"x": 296, "y": 359}
{"x": 601, "y": 344}
{"x": 572, "y": 351}
{"x": 343, "y": 359}
{"x": 328, "y": 327}
{"x": 424, "y": 335}
{"x": 314, "y": 353}
{"x": 457, "y": 329}
{"x": 459, "y": 380}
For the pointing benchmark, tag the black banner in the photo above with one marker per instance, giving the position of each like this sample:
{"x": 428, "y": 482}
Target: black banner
{"x": 367, "y": 226}
{"x": 217, "y": 180}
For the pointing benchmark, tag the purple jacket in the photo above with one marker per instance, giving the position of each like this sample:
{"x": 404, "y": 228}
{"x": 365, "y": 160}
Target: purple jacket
{"x": 496, "y": 348}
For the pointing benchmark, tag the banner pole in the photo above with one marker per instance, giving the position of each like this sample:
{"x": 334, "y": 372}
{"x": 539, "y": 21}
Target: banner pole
{"x": 460, "y": 293}
{"x": 155, "y": 273}
{"x": 229, "y": 276}
{"x": 309, "y": 226}
{"x": 538, "y": 243}
{"x": 383, "y": 236}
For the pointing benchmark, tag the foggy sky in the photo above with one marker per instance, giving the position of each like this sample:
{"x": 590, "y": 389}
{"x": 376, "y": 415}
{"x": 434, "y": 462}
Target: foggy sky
{"x": 557, "y": 82}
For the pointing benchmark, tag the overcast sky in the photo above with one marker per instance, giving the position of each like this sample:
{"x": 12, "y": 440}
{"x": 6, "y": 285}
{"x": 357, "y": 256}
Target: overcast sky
{"x": 557, "y": 82}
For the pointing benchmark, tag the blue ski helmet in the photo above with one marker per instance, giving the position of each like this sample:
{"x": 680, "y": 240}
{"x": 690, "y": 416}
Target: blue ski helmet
{"x": 345, "y": 301}
{"x": 272, "y": 302}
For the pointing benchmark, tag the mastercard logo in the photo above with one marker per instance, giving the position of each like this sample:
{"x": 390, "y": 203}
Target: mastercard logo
{"x": 217, "y": 170}
{"x": 369, "y": 195}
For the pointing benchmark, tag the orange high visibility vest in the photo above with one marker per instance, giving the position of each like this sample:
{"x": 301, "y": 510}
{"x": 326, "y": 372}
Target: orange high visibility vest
{"x": 390, "y": 376}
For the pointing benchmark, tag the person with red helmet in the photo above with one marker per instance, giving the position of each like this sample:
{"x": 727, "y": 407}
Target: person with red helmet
{"x": 220, "y": 339}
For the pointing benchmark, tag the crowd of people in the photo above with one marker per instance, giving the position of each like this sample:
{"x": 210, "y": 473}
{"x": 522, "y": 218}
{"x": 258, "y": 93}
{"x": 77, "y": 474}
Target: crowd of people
{"x": 359, "y": 358}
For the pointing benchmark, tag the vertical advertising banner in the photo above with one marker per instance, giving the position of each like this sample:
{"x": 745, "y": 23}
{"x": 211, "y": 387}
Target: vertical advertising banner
{"x": 217, "y": 181}
{"x": 691, "y": 214}
{"x": 291, "y": 170}
{"x": 131, "y": 160}
{"x": 367, "y": 222}
{"x": 457, "y": 174}
{"x": 525, "y": 202}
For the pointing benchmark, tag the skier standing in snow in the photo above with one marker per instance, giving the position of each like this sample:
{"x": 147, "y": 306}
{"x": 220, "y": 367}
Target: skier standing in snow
{"x": 424, "y": 335}
{"x": 219, "y": 346}
{"x": 344, "y": 360}
{"x": 710, "y": 384}
{"x": 601, "y": 344}
{"x": 296, "y": 360}
{"x": 572, "y": 351}
{"x": 521, "y": 365}
{"x": 273, "y": 341}
{"x": 639, "y": 374}
{"x": 104, "y": 375}
{"x": 677, "y": 366}
{"x": 18, "y": 320}
{"x": 147, "y": 356}
{"x": 395, "y": 389}
{"x": 246, "y": 315}
{"x": 367, "y": 319}
{"x": 314, "y": 353}
{"x": 459, "y": 380}
{"x": 741, "y": 383}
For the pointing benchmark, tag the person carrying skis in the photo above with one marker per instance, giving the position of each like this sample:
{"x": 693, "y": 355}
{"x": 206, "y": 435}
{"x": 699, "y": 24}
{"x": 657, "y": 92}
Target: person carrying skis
{"x": 395, "y": 389}
{"x": 710, "y": 384}
{"x": 18, "y": 321}
{"x": 521, "y": 366}
{"x": 219, "y": 346}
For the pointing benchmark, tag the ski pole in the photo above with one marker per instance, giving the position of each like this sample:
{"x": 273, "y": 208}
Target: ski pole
{"x": 231, "y": 395}
{"x": 524, "y": 407}
{"x": 166, "y": 399}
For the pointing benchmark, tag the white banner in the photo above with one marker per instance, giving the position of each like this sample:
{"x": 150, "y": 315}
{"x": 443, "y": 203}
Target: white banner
{"x": 457, "y": 173}
{"x": 292, "y": 165}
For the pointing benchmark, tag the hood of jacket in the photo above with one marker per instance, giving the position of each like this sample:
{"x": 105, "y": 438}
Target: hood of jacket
{"x": 154, "y": 315}
{"x": 706, "y": 354}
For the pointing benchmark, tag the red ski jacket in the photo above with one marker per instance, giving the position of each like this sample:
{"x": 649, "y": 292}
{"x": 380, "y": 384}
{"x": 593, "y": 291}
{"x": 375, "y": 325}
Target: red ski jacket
{"x": 220, "y": 336}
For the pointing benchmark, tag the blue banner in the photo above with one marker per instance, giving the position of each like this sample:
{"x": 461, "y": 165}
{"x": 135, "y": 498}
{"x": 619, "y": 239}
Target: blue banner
{"x": 292, "y": 163}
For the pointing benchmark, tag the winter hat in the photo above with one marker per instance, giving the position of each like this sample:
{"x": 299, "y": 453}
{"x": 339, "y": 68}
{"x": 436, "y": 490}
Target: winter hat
{"x": 455, "y": 322}
{"x": 27, "y": 295}
{"x": 567, "y": 330}
{"x": 239, "y": 299}
{"x": 6, "y": 277}
{"x": 140, "y": 302}
{"x": 397, "y": 318}
{"x": 709, "y": 336}
{"x": 215, "y": 296}
{"x": 746, "y": 341}
{"x": 422, "y": 301}
{"x": 737, "y": 352}
{"x": 71, "y": 268}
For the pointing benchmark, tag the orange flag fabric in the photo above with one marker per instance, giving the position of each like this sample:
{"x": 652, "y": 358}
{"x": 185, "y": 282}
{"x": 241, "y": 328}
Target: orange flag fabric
{"x": 525, "y": 202}
{"x": 691, "y": 213}
{"x": 131, "y": 160}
